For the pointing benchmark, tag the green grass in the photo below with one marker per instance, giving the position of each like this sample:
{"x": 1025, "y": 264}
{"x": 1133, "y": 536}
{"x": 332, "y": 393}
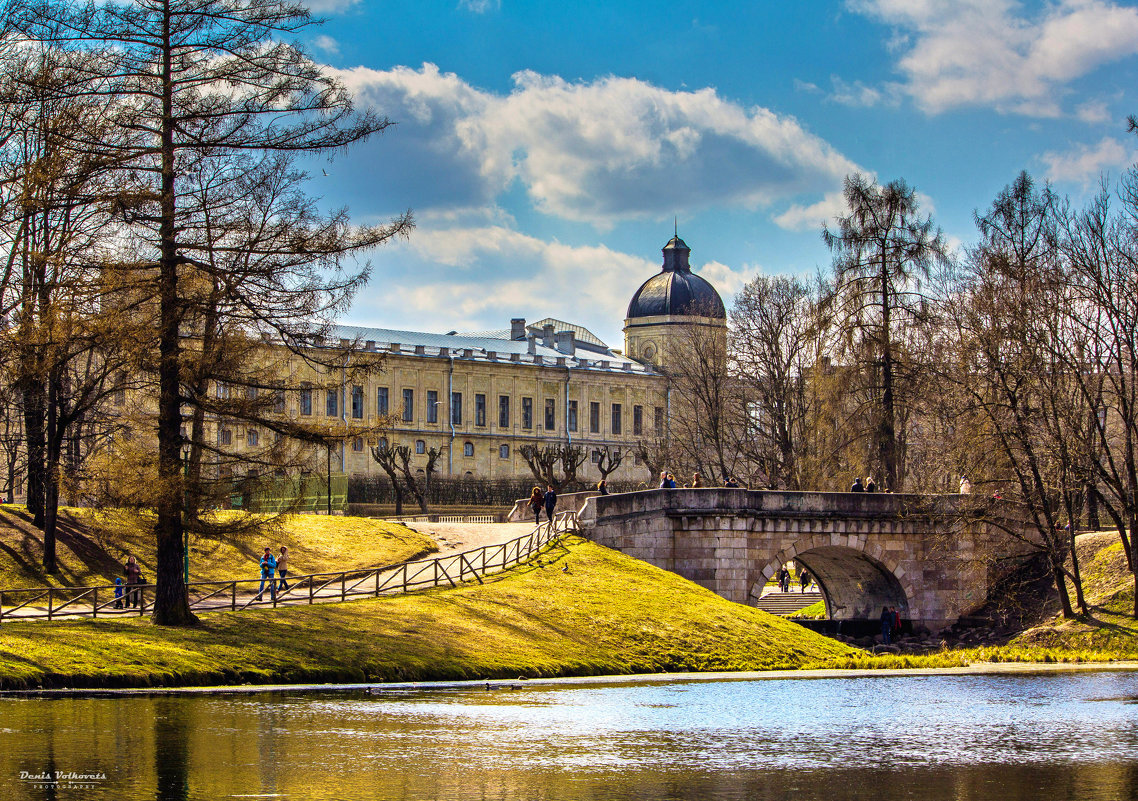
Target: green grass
{"x": 816, "y": 611}
{"x": 93, "y": 546}
{"x": 610, "y": 614}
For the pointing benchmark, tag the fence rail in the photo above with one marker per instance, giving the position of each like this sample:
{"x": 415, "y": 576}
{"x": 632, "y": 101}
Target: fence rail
{"x": 240, "y": 594}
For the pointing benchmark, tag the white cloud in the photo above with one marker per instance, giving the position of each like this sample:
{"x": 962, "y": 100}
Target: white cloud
{"x": 597, "y": 152}
{"x": 327, "y": 44}
{"x": 329, "y": 6}
{"x": 480, "y": 6}
{"x": 811, "y": 217}
{"x": 1093, "y": 111}
{"x": 993, "y": 53}
{"x": 478, "y": 277}
{"x": 860, "y": 94}
{"x": 1083, "y": 164}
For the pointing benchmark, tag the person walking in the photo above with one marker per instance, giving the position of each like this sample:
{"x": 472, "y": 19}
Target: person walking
{"x": 282, "y": 568}
{"x": 857, "y": 487}
{"x": 870, "y": 484}
{"x": 603, "y": 487}
{"x": 663, "y": 480}
{"x": 133, "y": 580}
{"x": 886, "y": 624}
{"x": 268, "y": 567}
{"x": 536, "y": 501}
{"x": 783, "y": 579}
{"x": 697, "y": 481}
{"x": 672, "y": 481}
{"x": 965, "y": 486}
{"x": 550, "y": 502}
{"x": 804, "y": 579}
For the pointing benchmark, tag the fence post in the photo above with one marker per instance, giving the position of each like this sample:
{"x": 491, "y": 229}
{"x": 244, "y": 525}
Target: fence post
{"x": 49, "y": 603}
{"x": 377, "y": 583}
{"x": 343, "y": 586}
{"x": 234, "y": 595}
{"x": 95, "y": 603}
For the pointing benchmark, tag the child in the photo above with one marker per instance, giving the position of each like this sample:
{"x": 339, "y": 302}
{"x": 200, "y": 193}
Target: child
{"x": 118, "y": 592}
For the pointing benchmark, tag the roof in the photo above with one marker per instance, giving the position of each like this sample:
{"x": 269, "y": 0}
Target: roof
{"x": 676, "y": 292}
{"x": 490, "y": 348}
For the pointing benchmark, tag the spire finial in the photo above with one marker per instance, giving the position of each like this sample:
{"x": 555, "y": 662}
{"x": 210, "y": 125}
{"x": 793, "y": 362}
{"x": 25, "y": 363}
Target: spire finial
{"x": 676, "y": 223}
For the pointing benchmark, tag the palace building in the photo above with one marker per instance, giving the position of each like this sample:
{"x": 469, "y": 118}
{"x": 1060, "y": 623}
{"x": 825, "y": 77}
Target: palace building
{"x": 481, "y": 396}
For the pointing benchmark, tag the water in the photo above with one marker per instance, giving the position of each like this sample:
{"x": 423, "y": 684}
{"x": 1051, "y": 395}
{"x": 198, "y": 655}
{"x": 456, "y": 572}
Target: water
{"x": 1062, "y": 736}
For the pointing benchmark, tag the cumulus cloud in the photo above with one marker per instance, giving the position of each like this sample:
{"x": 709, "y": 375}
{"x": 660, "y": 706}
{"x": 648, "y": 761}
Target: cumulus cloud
{"x": 596, "y": 152}
{"x": 477, "y": 278}
{"x": 327, "y": 44}
{"x": 811, "y": 217}
{"x": 1083, "y": 164}
{"x": 860, "y": 94}
{"x": 994, "y": 53}
{"x": 329, "y": 6}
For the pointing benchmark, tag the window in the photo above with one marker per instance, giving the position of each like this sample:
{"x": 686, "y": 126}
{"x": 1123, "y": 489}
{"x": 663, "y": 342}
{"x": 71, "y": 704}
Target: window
{"x": 503, "y": 451}
{"x": 595, "y": 456}
{"x": 594, "y": 418}
{"x": 408, "y": 405}
{"x": 331, "y": 403}
{"x": 252, "y": 437}
{"x": 432, "y": 406}
{"x": 456, "y": 408}
{"x": 550, "y": 414}
{"x": 615, "y": 429}
{"x": 503, "y": 411}
{"x": 527, "y": 412}
{"x": 571, "y": 415}
{"x": 480, "y": 410}
{"x": 222, "y": 390}
{"x": 357, "y": 403}
{"x": 278, "y": 401}
{"x": 381, "y": 400}
{"x": 658, "y": 420}
{"x": 225, "y": 436}
{"x": 251, "y": 393}
{"x": 358, "y": 444}
{"x": 637, "y": 420}
{"x": 382, "y": 444}
{"x": 468, "y": 449}
{"x": 420, "y": 446}
{"x": 305, "y": 399}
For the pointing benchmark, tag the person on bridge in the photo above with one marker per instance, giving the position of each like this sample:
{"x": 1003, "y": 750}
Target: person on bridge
{"x": 133, "y": 580}
{"x": 282, "y": 567}
{"x": 268, "y": 567}
{"x": 857, "y": 487}
{"x": 783, "y": 576}
{"x": 965, "y": 486}
{"x": 550, "y": 502}
{"x": 804, "y": 579}
{"x": 886, "y": 624}
{"x": 870, "y": 484}
{"x": 536, "y": 501}
{"x": 603, "y": 487}
{"x": 731, "y": 483}
{"x": 697, "y": 481}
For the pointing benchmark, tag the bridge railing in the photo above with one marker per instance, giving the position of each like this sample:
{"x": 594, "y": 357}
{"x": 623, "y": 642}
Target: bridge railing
{"x": 50, "y": 603}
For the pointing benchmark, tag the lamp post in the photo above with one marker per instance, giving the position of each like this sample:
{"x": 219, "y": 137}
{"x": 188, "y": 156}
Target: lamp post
{"x": 185, "y": 512}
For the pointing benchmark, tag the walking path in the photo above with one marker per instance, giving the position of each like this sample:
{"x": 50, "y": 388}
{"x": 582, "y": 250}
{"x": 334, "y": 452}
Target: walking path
{"x": 467, "y": 551}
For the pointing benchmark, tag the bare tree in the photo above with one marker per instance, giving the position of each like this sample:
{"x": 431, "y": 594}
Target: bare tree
{"x": 543, "y": 462}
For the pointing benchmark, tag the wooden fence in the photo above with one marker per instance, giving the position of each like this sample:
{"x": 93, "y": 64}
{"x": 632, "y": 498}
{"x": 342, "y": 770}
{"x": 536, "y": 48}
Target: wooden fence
{"x": 240, "y": 594}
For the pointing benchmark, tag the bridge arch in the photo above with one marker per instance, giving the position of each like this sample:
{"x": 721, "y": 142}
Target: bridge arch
{"x": 856, "y": 579}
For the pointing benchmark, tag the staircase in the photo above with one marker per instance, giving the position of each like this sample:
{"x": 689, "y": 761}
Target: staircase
{"x": 785, "y": 603}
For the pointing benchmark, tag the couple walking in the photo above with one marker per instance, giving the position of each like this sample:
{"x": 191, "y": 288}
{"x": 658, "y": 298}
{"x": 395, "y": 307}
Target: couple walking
{"x": 537, "y": 500}
{"x": 273, "y": 564}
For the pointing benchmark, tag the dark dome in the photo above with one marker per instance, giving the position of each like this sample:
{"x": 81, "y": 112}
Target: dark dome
{"x": 676, "y": 290}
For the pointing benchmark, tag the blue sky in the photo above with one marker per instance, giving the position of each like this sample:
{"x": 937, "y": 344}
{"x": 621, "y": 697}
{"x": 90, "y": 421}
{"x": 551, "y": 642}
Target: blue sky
{"x": 545, "y": 148}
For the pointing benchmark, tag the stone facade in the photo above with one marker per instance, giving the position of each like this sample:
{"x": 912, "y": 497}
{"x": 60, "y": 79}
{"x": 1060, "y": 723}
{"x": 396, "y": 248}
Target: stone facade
{"x": 917, "y": 553}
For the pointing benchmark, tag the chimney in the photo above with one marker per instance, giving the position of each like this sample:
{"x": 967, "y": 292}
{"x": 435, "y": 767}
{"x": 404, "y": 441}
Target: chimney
{"x": 518, "y": 328}
{"x": 531, "y": 344}
{"x": 547, "y": 335}
{"x": 566, "y": 342}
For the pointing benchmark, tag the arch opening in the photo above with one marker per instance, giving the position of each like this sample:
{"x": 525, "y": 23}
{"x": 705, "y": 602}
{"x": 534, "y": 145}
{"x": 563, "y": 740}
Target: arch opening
{"x": 854, "y": 585}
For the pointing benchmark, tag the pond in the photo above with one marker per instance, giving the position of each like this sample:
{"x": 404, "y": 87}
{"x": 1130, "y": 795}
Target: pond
{"x": 1059, "y": 736}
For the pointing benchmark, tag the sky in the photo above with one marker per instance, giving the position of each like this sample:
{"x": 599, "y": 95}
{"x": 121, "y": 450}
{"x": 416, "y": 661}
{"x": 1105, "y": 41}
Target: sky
{"x": 548, "y": 149}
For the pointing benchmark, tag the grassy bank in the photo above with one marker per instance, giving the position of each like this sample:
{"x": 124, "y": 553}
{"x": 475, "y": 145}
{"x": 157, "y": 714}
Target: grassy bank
{"x": 93, "y": 546}
{"x": 609, "y": 614}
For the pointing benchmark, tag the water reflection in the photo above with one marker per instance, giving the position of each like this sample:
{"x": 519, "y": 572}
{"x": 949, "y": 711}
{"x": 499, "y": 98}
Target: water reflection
{"x": 1063, "y": 737}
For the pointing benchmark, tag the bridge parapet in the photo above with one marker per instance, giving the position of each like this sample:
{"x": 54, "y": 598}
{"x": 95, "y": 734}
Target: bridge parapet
{"x": 927, "y": 555}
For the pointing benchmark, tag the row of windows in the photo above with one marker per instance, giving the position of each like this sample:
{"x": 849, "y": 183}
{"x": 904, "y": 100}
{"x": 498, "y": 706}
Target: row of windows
{"x": 616, "y": 422}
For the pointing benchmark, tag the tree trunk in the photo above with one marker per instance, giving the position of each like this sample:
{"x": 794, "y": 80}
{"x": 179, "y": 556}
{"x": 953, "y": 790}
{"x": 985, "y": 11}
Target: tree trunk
{"x": 171, "y": 603}
{"x": 34, "y": 437}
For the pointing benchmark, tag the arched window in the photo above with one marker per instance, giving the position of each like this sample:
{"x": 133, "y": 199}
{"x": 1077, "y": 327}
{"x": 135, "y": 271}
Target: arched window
{"x": 468, "y": 449}
{"x": 503, "y": 451}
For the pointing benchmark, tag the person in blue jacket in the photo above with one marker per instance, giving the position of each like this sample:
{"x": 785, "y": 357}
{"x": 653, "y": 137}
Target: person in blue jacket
{"x": 550, "y": 502}
{"x": 268, "y": 569}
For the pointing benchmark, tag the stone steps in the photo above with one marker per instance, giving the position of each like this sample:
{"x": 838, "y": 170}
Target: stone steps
{"x": 785, "y": 603}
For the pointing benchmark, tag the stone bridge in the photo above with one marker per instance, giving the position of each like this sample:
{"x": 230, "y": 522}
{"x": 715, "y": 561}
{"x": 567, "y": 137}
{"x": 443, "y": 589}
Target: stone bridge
{"x": 927, "y": 555}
